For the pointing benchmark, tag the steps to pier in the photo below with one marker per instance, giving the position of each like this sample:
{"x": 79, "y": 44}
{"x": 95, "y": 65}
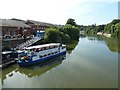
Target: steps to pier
{"x": 28, "y": 43}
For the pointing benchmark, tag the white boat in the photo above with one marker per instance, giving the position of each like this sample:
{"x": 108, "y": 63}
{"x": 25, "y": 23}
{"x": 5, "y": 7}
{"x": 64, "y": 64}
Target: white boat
{"x": 40, "y": 53}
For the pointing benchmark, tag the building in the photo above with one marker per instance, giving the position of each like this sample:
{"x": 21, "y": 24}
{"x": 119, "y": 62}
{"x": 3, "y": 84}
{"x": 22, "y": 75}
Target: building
{"x": 37, "y": 26}
{"x": 13, "y": 28}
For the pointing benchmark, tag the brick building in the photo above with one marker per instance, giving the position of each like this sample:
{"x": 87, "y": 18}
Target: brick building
{"x": 13, "y": 28}
{"x": 37, "y": 26}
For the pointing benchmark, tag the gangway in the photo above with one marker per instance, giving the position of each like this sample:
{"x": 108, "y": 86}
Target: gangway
{"x": 28, "y": 43}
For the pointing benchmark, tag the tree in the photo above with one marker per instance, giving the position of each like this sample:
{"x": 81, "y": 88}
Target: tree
{"x": 71, "y": 22}
{"x": 72, "y": 31}
{"x": 116, "y": 30}
{"x": 64, "y": 34}
{"x": 113, "y": 28}
{"x": 100, "y": 28}
{"x": 115, "y": 21}
{"x": 52, "y": 35}
{"x": 64, "y": 38}
{"x": 108, "y": 28}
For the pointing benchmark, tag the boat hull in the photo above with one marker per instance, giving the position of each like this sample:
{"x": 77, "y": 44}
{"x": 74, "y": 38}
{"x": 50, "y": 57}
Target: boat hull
{"x": 30, "y": 63}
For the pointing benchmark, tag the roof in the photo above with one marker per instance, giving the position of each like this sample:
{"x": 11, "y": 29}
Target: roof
{"x": 17, "y": 19}
{"x": 39, "y": 23}
{"x": 44, "y": 45}
{"x": 6, "y": 52}
{"x": 13, "y": 23}
{"x": 40, "y": 32}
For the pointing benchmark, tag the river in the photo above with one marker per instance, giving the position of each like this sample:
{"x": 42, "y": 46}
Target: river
{"x": 91, "y": 62}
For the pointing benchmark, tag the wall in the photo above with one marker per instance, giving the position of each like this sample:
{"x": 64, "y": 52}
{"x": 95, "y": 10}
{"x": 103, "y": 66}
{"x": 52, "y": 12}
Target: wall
{"x": 11, "y": 43}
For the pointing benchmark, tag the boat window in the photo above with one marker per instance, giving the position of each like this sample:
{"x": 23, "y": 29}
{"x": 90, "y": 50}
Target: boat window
{"x": 42, "y": 49}
{"x": 60, "y": 45}
{"x": 34, "y": 49}
{"x": 56, "y": 46}
{"x": 40, "y": 56}
{"x": 63, "y": 47}
{"x": 52, "y": 52}
{"x": 55, "y": 52}
{"x": 49, "y": 54}
{"x": 45, "y": 55}
{"x": 37, "y": 50}
{"x": 47, "y": 48}
{"x": 51, "y": 47}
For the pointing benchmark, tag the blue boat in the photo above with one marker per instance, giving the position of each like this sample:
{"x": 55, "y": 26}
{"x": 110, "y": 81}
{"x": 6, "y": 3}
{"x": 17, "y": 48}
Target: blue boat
{"x": 41, "y": 53}
{"x": 16, "y": 53}
{"x": 9, "y": 57}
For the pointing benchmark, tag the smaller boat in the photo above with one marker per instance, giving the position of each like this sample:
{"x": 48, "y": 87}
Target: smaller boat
{"x": 41, "y": 53}
{"x": 7, "y": 58}
{"x": 10, "y": 57}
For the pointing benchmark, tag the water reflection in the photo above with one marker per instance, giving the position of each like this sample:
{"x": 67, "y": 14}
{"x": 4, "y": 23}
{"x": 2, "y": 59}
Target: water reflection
{"x": 97, "y": 38}
{"x": 113, "y": 44}
{"x": 42, "y": 68}
{"x": 82, "y": 35}
{"x": 33, "y": 70}
{"x": 7, "y": 71}
{"x": 71, "y": 46}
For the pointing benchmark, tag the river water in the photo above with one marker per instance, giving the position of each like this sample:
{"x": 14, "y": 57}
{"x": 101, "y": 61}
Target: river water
{"x": 92, "y": 62}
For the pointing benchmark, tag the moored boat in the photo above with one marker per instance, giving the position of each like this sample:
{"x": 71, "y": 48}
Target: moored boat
{"x": 9, "y": 57}
{"x": 41, "y": 53}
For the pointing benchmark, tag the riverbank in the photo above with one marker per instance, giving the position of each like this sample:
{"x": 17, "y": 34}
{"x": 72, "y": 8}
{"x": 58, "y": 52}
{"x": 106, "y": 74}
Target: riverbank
{"x": 104, "y": 34}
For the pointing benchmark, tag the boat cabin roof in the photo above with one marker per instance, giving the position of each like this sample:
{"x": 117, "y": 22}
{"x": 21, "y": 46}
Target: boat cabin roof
{"x": 9, "y": 52}
{"x": 6, "y": 52}
{"x": 44, "y": 45}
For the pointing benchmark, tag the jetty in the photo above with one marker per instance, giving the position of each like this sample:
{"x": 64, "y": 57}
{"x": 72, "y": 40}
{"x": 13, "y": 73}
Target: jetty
{"x": 39, "y": 36}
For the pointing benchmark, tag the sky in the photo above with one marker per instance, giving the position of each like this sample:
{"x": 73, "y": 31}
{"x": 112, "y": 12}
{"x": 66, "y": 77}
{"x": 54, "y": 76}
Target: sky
{"x": 85, "y": 12}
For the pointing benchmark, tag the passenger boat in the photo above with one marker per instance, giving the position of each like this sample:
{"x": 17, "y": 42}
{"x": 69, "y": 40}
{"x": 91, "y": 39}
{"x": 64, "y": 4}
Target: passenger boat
{"x": 41, "y": 53}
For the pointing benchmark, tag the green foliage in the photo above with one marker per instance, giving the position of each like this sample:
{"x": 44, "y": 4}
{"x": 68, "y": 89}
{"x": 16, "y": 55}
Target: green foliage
{"x": 71, "y": 46}
{"x": 71, "y": 22}
{"x": 64, "y": 38}
{"x": 100, "y": 28}
{"x": 72, "y": 31}
{"x": 115, "y": 21}
{"x": 52, "y": 35}
{"x": 113, "y": 28}
{"x": 64, "y": 35}
{"x": 108, "y": 28}
{"x": 91, "y": 29}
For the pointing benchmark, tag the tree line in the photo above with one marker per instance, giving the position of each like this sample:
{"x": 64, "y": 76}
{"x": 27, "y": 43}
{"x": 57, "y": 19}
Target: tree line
{"x": 112, "y": 28}
{"x": 64, "y": 34}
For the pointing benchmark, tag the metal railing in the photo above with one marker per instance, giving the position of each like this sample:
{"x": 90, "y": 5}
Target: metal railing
{"x": 28, "y": 43}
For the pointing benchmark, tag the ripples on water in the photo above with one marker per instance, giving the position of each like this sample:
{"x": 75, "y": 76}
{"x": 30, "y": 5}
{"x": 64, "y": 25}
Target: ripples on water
{"x": 92, "y": 62}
